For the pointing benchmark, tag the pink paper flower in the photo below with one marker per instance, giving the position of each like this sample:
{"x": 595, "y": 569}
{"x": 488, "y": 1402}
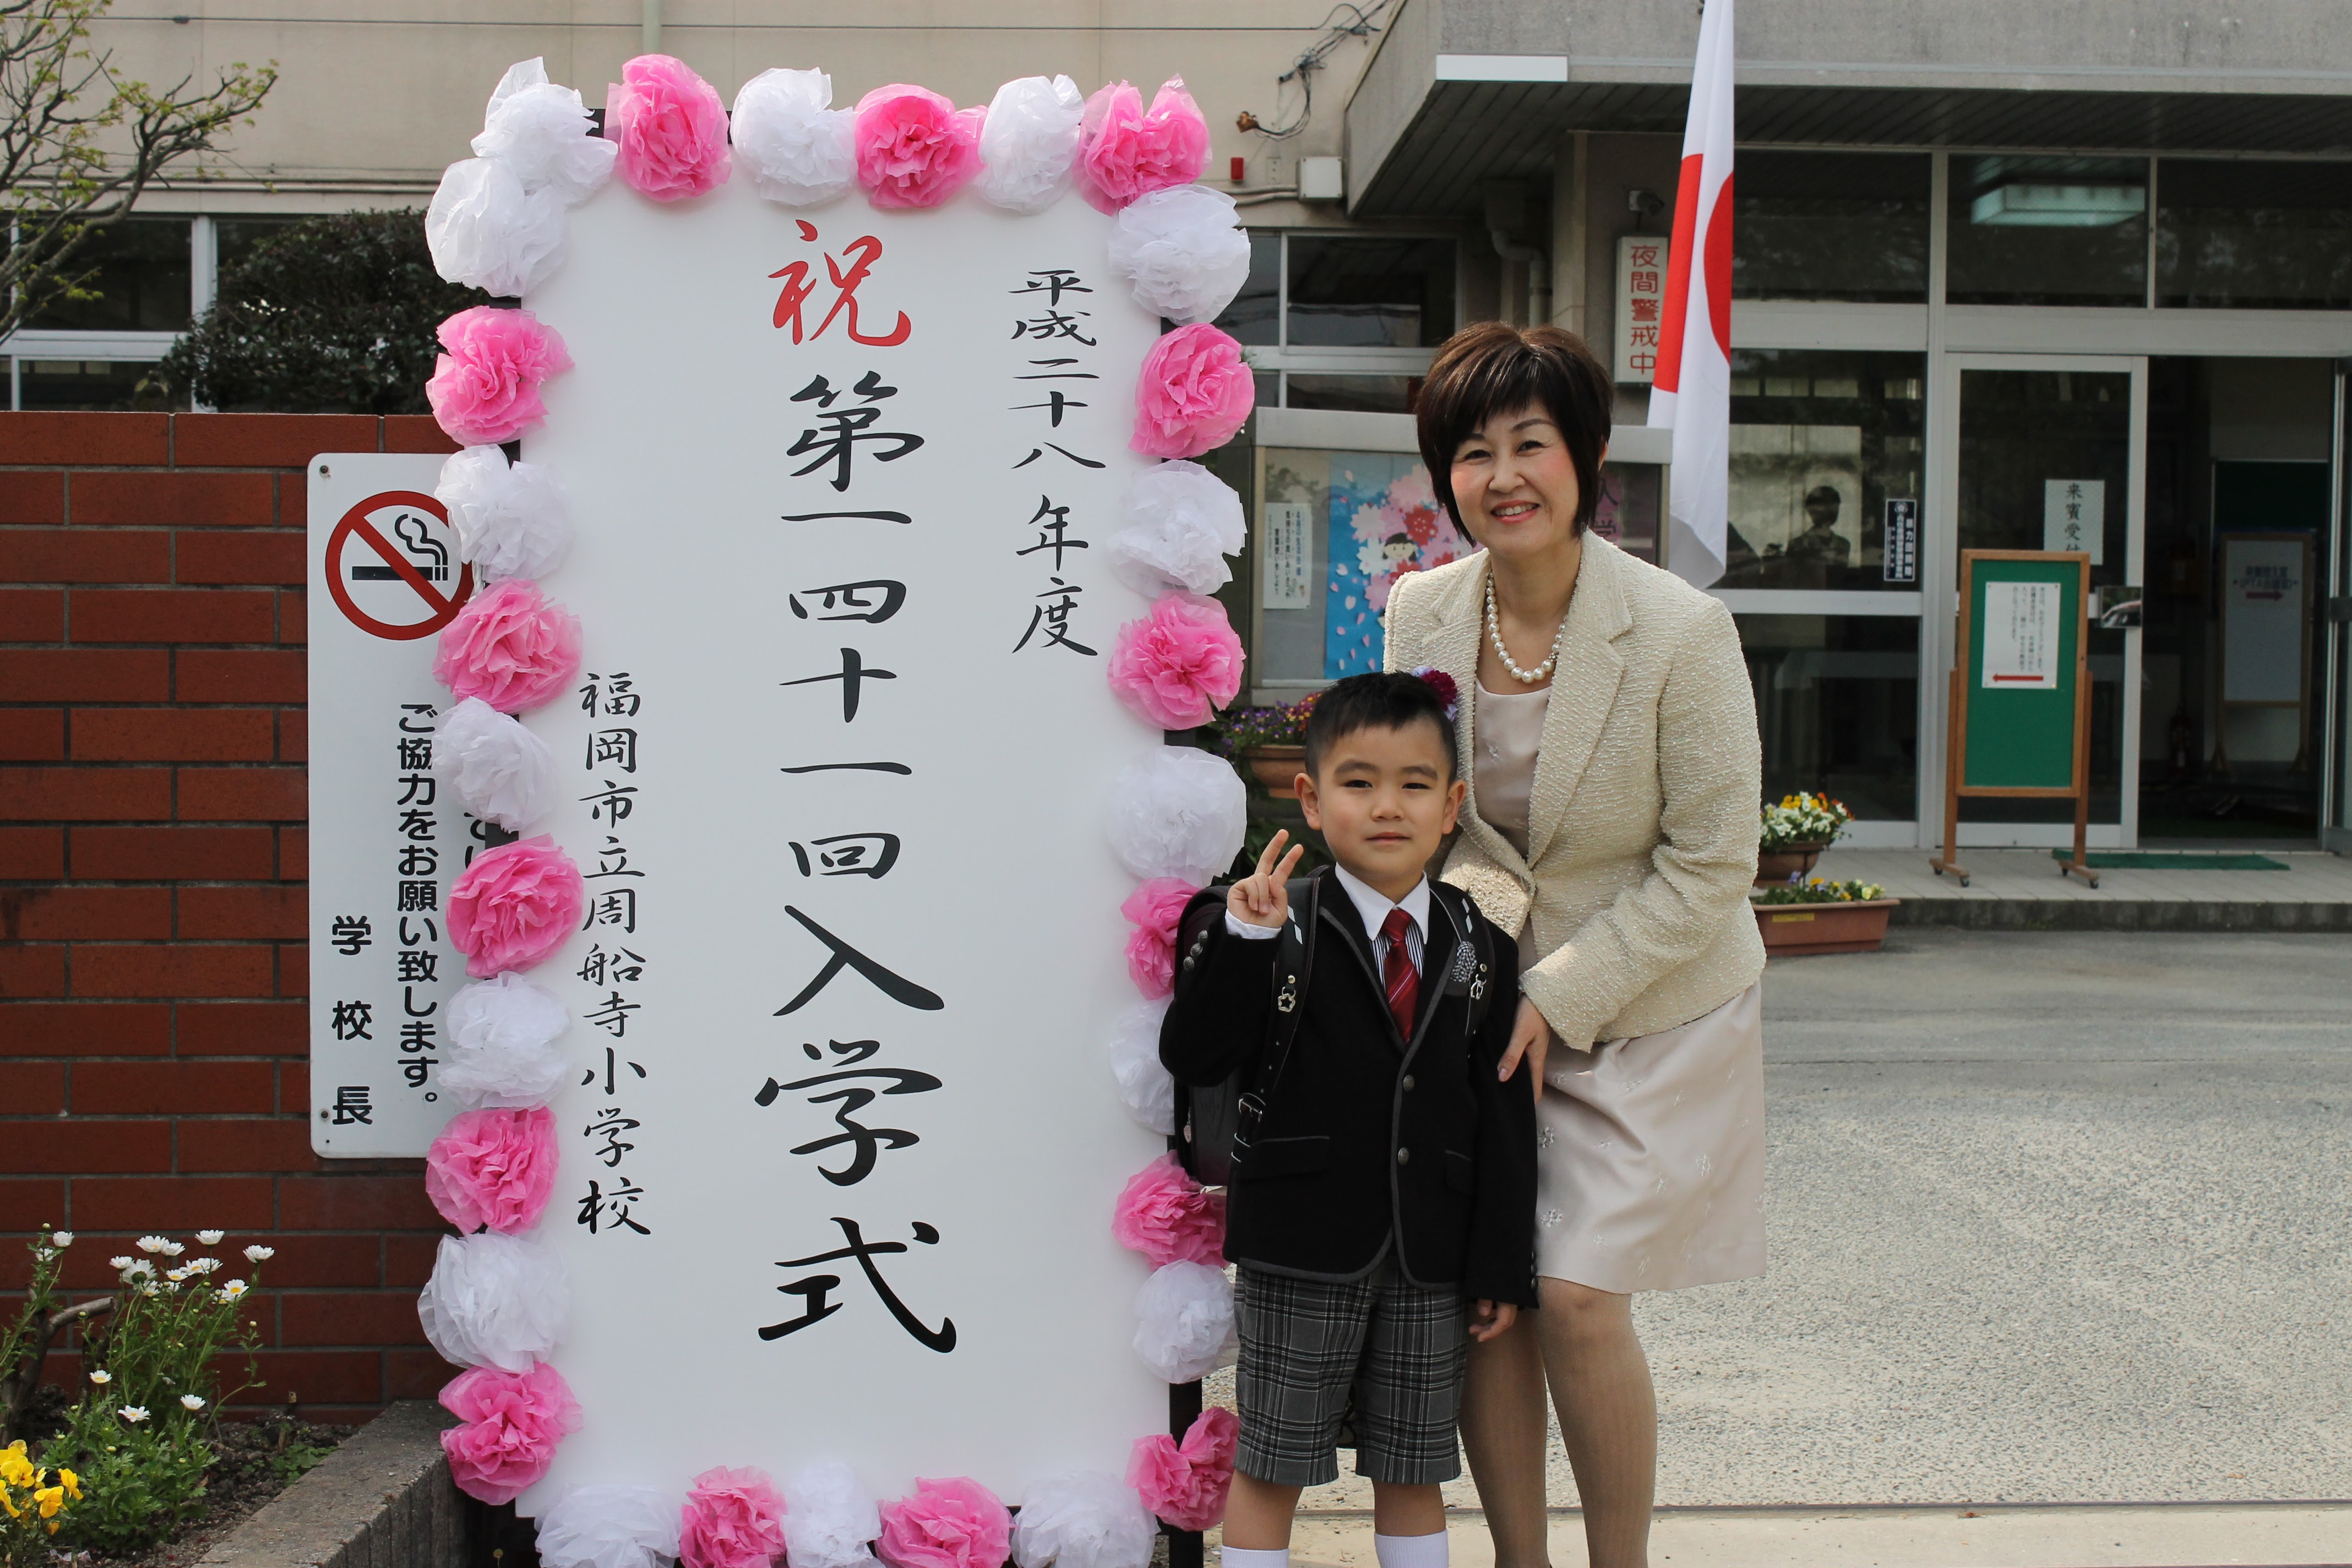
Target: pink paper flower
{"x": 1125, "y": 152}
{"x": 1187, "y": 1485}
{"x": 492, "y": 1168}
{"x": 1179, "y": 663}
{"x": 915, "y": 149}
{"x": 733, "y": 1518}
{"x": 511, "y": 647}
{"x": 1195, "y": 391}
{"x": 513, "y": 1421}
{"x": 1169, "y": 1217}
{"x": 485, "y": 390}
{"x": 514, "y": 905}
{"x": 1155, "y": 908}
{"x": 671, "y": 127}
{"x": 953, "y": 1523}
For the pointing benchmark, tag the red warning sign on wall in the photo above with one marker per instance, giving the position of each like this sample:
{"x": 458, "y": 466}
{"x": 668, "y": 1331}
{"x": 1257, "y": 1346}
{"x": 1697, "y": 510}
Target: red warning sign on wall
{"x": 392, "y": 569}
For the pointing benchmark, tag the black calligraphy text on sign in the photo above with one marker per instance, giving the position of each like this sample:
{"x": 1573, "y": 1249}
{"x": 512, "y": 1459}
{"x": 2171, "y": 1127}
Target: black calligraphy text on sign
{"x": 614, "y": 966}
{"x": 844, "y": 445}
{"x": 1050, "y": 311}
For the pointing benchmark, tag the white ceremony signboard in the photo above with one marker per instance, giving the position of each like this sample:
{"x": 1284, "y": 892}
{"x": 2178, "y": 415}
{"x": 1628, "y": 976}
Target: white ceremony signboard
{"x": 809, "y": 646}
{"x": 756, "y": 901}
{"x": 2021, "y": 635}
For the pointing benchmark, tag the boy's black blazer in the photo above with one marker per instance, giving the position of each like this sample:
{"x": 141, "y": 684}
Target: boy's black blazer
{"x": 1368, "y": 1138}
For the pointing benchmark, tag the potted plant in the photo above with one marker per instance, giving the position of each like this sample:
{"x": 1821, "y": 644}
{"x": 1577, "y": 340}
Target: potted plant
{"x": 1267, "y": 743}
{"x": 1794, "y": 833}
{"x": 1815, "y": 916}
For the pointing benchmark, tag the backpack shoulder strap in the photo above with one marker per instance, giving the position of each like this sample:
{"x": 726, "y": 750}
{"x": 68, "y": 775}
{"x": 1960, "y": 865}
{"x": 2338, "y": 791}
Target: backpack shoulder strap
{"x": 1478, "y": 984}
{"x": 1294, "y": 961}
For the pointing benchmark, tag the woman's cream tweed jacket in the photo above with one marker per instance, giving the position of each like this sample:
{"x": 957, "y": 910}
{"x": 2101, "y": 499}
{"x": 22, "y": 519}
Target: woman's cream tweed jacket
{"x": 1642, "y": 831}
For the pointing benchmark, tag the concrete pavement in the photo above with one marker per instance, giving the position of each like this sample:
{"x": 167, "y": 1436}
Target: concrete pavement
{"x": 2055, "y": 1217}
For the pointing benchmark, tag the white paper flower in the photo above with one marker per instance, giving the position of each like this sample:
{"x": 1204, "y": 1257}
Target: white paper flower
{"x": 192, "y": 1402}
{"x": 483, "y": 229}
{"x": 101, "y": 1378}
{"x": 829, "y": 1517}
{"x": 211, "y": 1237}
{"x": 495, "y": 767}
{"x": 1179, "y": 249}
{"x": 1084, "y": 1519}
{"x": 1184, "y": 1321}
{"x": 512, "y": 520}
{"x": 1146, "y": 1087}
{"x": 1029, "y": 141}
{"x": 494, "y": 1301}
{"x": 610, "y": 1526}
{"x": 1181, "y": 522}
{"x": 255, "y": 1253}
{"x": 153, "y": 1244}
{"x": 797, "y": 146}
{"x": 543, "y": 133}
{"x": 501, "y": 1049}
{"x": 1178, "y": 811}
{"x": 134, "y": 1414}
{"x": 63, "y": 1237}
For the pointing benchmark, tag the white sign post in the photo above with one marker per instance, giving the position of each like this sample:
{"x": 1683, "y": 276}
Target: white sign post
{"x": 839, "y": 1167}
{"x": 386, "y": 843}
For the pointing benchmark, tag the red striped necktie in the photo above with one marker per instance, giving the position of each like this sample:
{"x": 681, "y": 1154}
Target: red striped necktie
{"x": 1398, "y": 978}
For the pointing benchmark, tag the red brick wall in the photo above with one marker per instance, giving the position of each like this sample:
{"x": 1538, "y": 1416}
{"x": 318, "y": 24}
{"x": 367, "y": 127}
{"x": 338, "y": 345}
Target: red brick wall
{"x": 153, "y": 1071}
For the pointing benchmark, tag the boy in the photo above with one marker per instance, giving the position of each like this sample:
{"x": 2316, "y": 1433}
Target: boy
{"x": 1394, "y": 1173}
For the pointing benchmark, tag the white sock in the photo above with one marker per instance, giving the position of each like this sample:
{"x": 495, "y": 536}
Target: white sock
{"x": 1242, "y": 1557}
{"x": 1411, "y": 1551}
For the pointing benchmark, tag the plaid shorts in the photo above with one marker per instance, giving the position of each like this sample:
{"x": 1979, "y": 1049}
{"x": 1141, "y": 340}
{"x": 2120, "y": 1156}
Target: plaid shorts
{"x": 1308, "y": 1346}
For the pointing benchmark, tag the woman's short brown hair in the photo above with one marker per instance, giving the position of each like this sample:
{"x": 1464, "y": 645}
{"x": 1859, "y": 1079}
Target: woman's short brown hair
{"x": 1492, "y": 368}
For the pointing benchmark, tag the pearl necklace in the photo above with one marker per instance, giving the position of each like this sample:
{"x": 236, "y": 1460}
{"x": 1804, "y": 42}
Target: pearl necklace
{"x": 1542, "y": 672}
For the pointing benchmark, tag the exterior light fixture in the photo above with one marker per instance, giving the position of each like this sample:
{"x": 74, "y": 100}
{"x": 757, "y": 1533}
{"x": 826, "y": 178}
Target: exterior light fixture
{"x": 2019, "y": 206}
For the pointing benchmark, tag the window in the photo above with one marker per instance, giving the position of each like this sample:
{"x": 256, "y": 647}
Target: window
{"x": 1831, "y": 225}
{"x": 1837, "y": 700}
{"x": 1822, "y": 442}
{"x": 89, "y": 385}
{"x": 2048, "y": 231}
{"x": 141, "y": 284}
{"x": 1369, "y": 293}
{"x": 1368, "y": 394}
{"x": 2253, "y": 236}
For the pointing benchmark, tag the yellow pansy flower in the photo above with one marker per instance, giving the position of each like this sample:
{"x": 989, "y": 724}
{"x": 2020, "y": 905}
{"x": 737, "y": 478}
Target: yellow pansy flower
{"x": 13, "y": 1467}
{"x": 71, "y": 1482}
{"x": 51, "y": 1500}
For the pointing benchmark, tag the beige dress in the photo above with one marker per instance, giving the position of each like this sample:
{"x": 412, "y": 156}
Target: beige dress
{"x": 1650, "y": 1164}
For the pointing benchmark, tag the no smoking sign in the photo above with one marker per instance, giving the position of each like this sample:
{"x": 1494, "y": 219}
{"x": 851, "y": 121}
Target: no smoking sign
{"x": 391, "y": 566}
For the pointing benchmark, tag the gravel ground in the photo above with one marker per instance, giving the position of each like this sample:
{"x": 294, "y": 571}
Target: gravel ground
{"x": 2056, "y": 1216}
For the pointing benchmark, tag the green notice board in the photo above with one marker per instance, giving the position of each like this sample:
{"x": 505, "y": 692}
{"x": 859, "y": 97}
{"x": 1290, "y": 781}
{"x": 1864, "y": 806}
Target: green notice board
{"x": 2018, "y": 682}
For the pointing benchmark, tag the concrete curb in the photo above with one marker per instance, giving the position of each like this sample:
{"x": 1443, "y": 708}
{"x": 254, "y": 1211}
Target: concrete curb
{"x": 2122, "y": 914}
{"x": 384, "y": 1499}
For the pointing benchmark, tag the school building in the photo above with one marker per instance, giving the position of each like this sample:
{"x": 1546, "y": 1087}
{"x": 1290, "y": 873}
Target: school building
{"x": 2008, "y": 276}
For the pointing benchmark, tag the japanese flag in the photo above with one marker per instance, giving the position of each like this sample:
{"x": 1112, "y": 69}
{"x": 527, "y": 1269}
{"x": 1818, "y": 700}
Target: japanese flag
{"x": 1692, "y": 394}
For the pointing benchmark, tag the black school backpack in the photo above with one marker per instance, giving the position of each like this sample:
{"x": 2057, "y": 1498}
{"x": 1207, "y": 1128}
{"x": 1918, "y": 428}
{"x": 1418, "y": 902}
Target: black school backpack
{"x": 1217, "y": 1124}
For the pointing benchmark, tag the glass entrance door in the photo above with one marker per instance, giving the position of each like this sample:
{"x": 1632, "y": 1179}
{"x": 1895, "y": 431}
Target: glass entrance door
{"x": 2048, "y": 454}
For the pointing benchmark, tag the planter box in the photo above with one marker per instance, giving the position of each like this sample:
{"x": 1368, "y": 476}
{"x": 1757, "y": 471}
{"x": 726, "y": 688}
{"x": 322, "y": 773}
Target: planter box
{"x": 1779, "y": 868}
{"x": 1791, "y": 931}
{"x": 1277, "y": 768}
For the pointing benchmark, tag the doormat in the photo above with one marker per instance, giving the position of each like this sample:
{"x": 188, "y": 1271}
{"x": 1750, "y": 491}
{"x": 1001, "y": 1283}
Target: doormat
{"x": 2170, "y": 860}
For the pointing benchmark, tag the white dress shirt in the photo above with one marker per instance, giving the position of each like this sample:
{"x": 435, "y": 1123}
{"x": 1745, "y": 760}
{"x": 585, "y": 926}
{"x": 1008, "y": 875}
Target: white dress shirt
{"x": 1372, "y": 906}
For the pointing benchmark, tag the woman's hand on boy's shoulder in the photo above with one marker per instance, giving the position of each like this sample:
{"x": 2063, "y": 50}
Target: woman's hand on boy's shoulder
{"x": 1263, "y": 897}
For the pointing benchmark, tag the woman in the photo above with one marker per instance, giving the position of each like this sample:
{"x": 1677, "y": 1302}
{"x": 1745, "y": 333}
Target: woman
{"x": 1614, "y": 774}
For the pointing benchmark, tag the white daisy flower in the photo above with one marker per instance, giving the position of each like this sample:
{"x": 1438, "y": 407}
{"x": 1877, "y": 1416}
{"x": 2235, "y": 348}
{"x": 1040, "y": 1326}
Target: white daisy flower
{"x": 203, "y": 1264}
{"x": 230, "y": 1291}
{"x": 134, "y": 1414}
{"x": 63, "y": 1239}
{"x": 259, "y": 1254}
{"x": 153, "y": 1244}
{"x": 192, "y": 1402}
{"x": 137, "y": 1267}
{"x": 125, "y": 1261}
{"x": 211, "y": 1237}
{"x": 173, "y": 1248}
{"x": 101, "y": 1378}
{"x": 176, "y": 1274}
{"x": 151, "y": 1289}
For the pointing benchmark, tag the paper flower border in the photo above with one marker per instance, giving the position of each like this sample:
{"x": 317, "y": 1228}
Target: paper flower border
{"x": 496, "y": 222}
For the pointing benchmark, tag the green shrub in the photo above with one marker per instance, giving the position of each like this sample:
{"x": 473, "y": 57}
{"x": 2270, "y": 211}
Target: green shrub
{"x": 332, "y": 314}
{"x": 139, "y": 1483}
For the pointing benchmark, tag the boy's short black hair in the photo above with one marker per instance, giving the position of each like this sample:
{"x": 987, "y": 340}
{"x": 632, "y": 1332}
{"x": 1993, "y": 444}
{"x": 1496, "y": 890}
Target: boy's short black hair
{"x": 1383, "y": 701}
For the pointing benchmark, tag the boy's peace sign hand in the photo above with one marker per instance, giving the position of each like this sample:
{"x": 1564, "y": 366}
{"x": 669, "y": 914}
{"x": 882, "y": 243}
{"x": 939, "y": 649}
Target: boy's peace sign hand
{"x": 1264, "y": 898}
